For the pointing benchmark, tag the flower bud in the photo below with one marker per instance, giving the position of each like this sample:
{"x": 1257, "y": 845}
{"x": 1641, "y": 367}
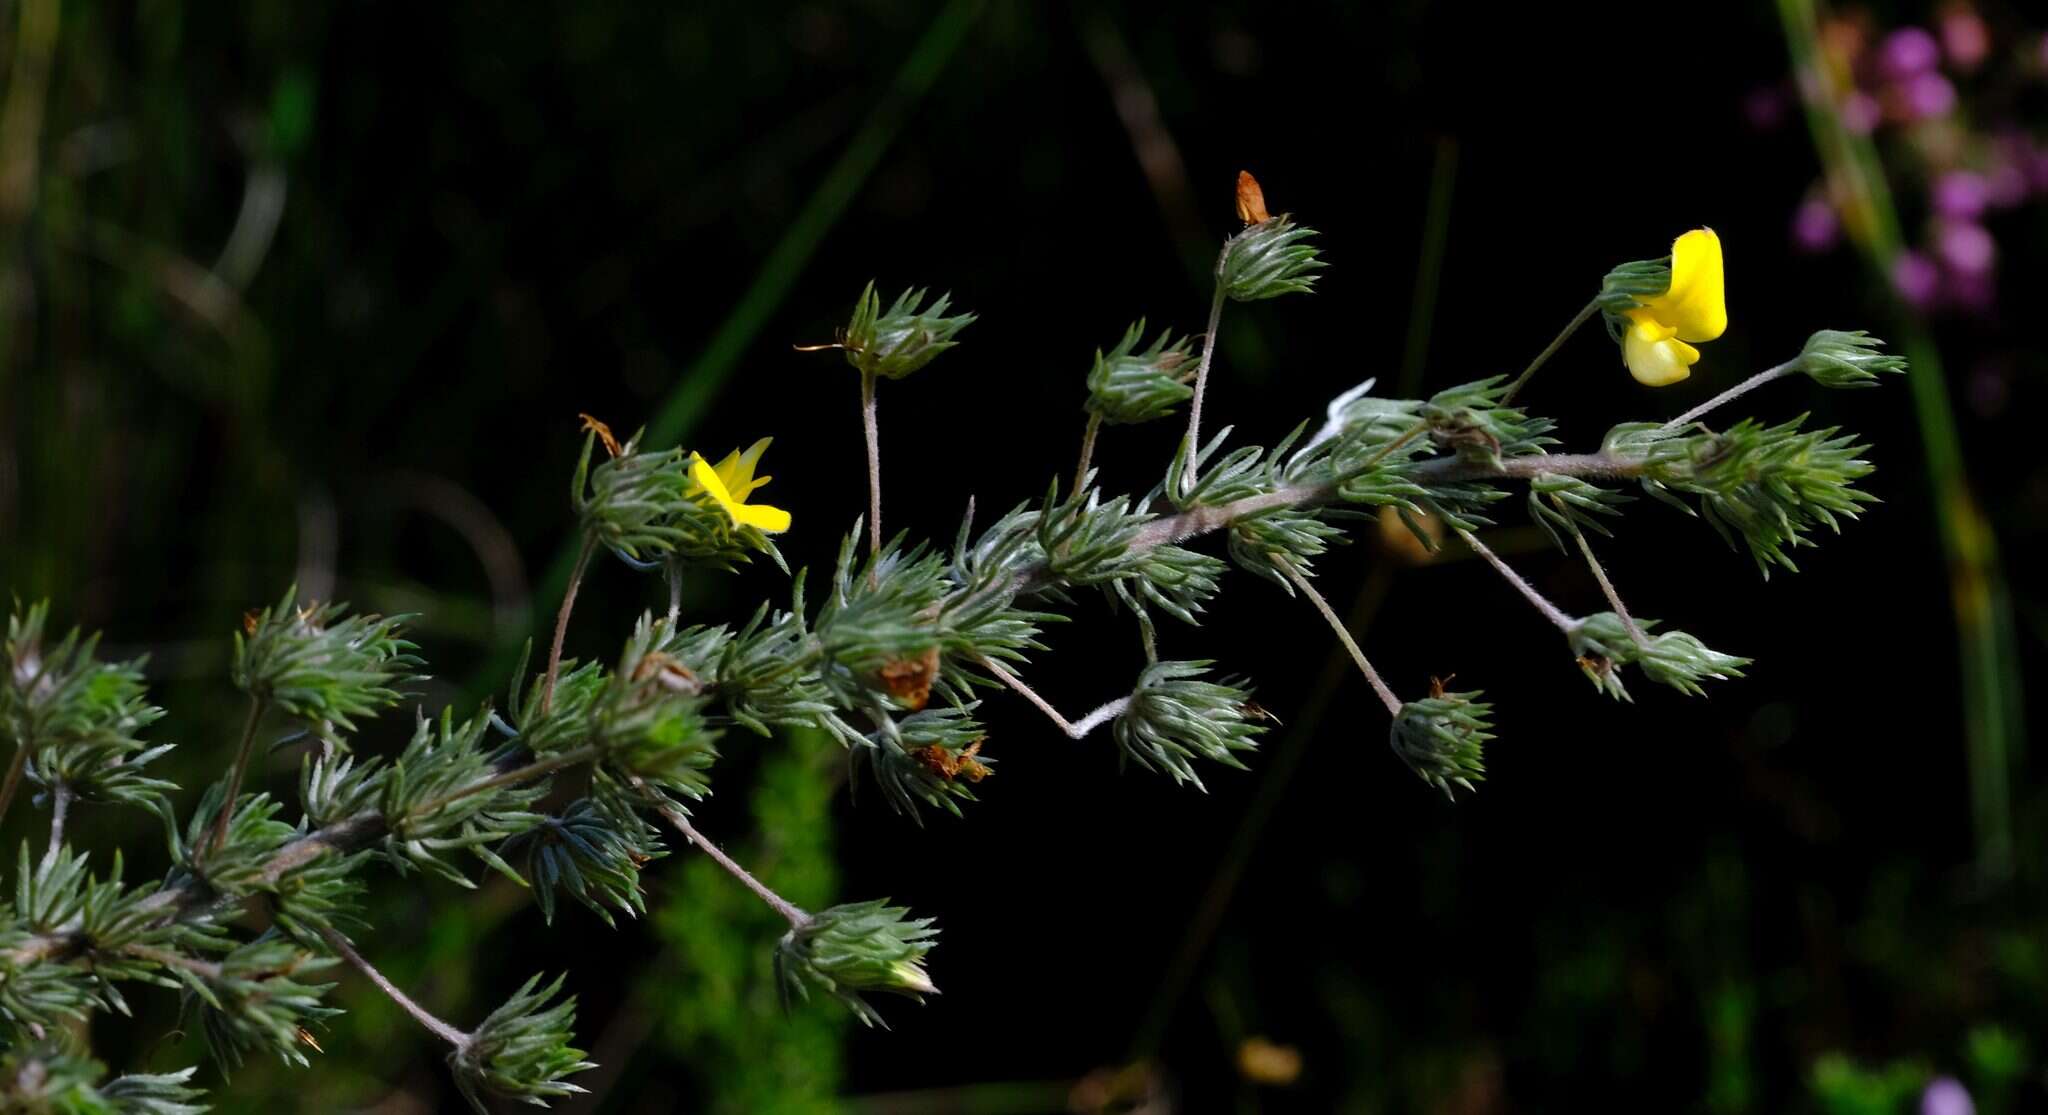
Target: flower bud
{"x": 896, "y": 342}
{"x": 861, "y": 946}
{"x": 1440, "y": 738}
{"x": 1847, "y": 359}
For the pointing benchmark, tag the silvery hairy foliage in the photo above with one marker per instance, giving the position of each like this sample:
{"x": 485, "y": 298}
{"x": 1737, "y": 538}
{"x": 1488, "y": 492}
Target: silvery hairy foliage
{"x": 902, "y": 651}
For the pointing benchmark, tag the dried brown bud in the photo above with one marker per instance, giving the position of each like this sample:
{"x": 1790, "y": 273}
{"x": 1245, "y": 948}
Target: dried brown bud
{"x": 909, "y": 680}
{"x": 950, "y": 766}
{"x": 1251, "y": 200}
{"x": 604, "y": 434}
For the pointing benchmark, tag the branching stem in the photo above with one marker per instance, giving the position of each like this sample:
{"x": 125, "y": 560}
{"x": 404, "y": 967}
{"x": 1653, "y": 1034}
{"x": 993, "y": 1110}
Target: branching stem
{"x": 1584, "y": 315}
{"x": 1087, "y": 450}
{"x": 1550, "y": 611}
{"x": 1733, "y": 393}
{"x": 405, "y": 1002}
{"x": 1075, "y": 729}
{"x": 1192, "y": 446}
{"x": 536, "y": 769}
{"x": 675, "y": 816}
{"x": 1628, "y": 622}
{"x": 547, "y": 689}
{"x": 257, "y": 705}
{"x": 1336, "y": 623}
{"x": 12, "y": 784}
{"x": 60, "y": 808}
{"x": 874, "y": 438}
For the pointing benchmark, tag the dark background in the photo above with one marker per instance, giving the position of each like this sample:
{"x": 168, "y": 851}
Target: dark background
{"x": 494, "y": 218}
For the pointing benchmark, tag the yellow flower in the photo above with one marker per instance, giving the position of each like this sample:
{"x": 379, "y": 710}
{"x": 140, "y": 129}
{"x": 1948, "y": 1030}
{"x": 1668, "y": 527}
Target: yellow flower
{"x": 1658, "y": 346}
{"x": 731, "y": 481}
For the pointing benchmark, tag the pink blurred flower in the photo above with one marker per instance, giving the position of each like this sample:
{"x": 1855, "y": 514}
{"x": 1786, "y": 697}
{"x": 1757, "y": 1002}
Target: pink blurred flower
{"x": 1925, "y": 95}
{"x": 1917, "y": 279}
{"x": 1964, "y": 37}
{"x": 1908, "y": 51}
{"x": 1966, "y": 247}
{"x": 1946, "y": 1096}
{"x": 1961, "y": 194}
{"x": 1814, "y": 225}
{"x": 1861, "y": 112}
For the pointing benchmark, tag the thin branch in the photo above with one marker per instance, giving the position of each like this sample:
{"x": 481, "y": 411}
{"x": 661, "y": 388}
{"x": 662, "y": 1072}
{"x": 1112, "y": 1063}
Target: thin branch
{"x": 235, "y": 775}
{"x": 1550, "y": 611}
{"x": 1584, "y": 315}
{"x": 60, "y": 808}
{"x": 1087, "y": 450}
{"x": 1192, "y": 446}
{"x": 1735, "y": 392}
{"x": 547, "y": 691}
{"x": 674, "y": 815}
{"x": 420, "y": 1014}
{"x": 1336, "y": 623}
{"x": 1628, "y": 622}
{"x": 1075, "y": 729}
{"x": 874, "y": 438}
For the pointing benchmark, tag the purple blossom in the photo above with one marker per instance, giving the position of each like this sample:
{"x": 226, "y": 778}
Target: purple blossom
{"x": 1908, "y": 51}
{"x": 1814, "y": 225}
{"x": 1946, "y": 1096}
{"x": 1917, "y": 278}
{"x": 1966, "y": 247}
{"x": 1860, "y": 113}
{"x": 1925, "y": 95}
{"x": 1960, "y": 194}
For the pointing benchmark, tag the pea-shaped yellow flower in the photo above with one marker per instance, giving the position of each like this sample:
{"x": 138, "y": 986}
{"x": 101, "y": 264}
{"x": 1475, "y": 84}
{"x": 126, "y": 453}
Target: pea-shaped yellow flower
{"x": 731, "y": 481}
{"x": 1658, "y": 346}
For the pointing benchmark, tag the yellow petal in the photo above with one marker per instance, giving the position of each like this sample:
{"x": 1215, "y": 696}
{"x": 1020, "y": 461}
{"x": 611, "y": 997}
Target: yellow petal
{"x": 1657, "y": 363}
{"x": 740, "y": 481}
{"x": 760, "y": 516}
{"x": 708, "y": 479}
{"x": 770, "y": 520}
{"x": 1696, "y": 305}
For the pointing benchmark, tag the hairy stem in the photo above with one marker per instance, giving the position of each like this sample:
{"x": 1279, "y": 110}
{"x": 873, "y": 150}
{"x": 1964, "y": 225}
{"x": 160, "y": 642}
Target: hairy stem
{"x": 874, "y": 438}
{"x": 1628, "y": 622}
{"x": 420, "y": 1014}
{"x": 674, "y": 815}
{"x": 1584, "y": 315}
{"x": 1087, "y": 450}
{"x": 1336, "y": 623}
{"x": 1192, "y": 446}
{"x": 60, "y": 808}
{"x": 1075, "y": 729}
{"x": 1550, "y": 611}
{"x": 547, "y": 689}
{"x": 235, "y": 775}
{"x": 1735, "y": 392}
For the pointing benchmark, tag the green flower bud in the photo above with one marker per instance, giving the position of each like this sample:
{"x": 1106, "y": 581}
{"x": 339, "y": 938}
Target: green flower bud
{"x": 896, "y": 342}
{"x": 857, "y": 947}
{"x": 1440, "y": 738}
{"x": 1846, "y": 359}
{"x": 1267, "y": 260}
{"x": 1128, "y": 386}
